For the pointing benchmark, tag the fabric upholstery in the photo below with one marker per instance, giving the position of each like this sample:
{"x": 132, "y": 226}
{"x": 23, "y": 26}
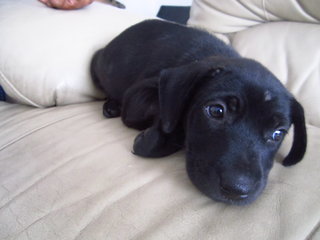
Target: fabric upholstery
{"x": 45, "y": 53}
{"x": 66, "y": 172}
{"x": 235, "y": 15}
{"x": 289, "y": 50}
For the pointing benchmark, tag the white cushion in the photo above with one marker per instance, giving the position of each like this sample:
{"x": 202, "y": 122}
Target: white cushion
{"x": 68, "y": 173}
{"x": 232, "y": 16}
{"x": 45, "y": 53}
{"x": 290, "y": 50}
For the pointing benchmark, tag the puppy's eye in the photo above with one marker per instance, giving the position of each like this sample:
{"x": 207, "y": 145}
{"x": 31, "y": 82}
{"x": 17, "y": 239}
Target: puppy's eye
{"x": 278, "y": 135}
{"x": 215, "y": 111}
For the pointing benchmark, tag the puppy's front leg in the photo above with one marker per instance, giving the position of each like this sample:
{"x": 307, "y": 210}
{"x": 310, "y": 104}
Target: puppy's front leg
{"x": 153, "y": 142}
{"x": 111, "y": 109}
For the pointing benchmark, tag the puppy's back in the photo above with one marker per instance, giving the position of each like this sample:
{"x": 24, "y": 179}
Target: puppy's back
{"x": 146, "y": 48}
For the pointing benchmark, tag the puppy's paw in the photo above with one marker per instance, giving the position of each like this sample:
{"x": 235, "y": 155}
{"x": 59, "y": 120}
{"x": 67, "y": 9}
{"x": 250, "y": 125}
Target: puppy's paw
{"x": 154, "y": 143}
{"x": 111, "y": 109}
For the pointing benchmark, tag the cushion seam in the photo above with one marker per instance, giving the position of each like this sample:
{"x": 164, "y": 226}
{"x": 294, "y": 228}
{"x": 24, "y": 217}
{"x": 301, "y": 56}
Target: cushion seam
{"x": 313, "y": 231}
{"x": 22, "y": 136}
{"x": 17, "y": 92}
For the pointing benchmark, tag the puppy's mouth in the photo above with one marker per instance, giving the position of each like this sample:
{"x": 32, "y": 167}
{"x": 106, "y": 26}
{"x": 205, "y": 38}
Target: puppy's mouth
{"x": 238, "y": 198}
{"x": 235, "y": 196}
{"x": 210, "y": 183}
{"x": 243, "y": 190}
{"x": 218, "y": 193}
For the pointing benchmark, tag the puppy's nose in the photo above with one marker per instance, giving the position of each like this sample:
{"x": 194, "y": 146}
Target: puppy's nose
{"x": 237, "y": 188}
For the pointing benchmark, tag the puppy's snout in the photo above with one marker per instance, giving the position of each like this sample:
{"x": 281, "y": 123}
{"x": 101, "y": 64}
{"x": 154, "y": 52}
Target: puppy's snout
{"x": 237, "y": 188}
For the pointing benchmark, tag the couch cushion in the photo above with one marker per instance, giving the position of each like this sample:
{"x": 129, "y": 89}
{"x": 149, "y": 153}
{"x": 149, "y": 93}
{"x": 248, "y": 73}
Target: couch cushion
{"x": 68, "y": 173}
{"x": 290, "y": 50}
{"x": 45, "y": 53}
{"x": 234, "y": 15}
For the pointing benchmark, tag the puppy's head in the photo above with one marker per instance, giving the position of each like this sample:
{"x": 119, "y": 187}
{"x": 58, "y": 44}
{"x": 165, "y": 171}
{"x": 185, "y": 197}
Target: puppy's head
{"x": 235, "y": 114}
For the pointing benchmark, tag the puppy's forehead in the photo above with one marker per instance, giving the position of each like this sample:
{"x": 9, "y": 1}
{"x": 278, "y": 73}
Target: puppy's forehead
{"x": 267, "y": 96}
{"x": 257, "y": 95}
{"x": 268, "y": 105}
{"x": 259, "y": 88}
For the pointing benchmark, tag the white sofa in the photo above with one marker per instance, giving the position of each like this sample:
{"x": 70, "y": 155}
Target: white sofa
{"x": 66, "y": 172}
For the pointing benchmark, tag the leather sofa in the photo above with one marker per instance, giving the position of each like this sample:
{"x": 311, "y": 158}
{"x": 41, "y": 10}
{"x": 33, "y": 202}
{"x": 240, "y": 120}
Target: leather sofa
{"x": 66, "y": 172}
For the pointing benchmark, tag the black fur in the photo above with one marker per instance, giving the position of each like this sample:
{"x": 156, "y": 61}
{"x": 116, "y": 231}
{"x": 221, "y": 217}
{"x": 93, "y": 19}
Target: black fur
{"x": 186, "y": 88}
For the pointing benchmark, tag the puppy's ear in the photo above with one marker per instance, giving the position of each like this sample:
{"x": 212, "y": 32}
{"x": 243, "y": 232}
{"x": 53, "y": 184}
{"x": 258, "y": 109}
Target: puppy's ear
{"x": 175, "y": 89}
{"x": 299, "y": 145}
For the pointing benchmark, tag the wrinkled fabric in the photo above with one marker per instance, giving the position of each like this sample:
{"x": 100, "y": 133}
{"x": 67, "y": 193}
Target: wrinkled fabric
{"x": 68, "y": 173}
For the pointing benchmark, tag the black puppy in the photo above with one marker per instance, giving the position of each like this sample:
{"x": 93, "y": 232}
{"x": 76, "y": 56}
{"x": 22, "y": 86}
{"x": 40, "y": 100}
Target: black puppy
{"x": 186, "y": 88}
